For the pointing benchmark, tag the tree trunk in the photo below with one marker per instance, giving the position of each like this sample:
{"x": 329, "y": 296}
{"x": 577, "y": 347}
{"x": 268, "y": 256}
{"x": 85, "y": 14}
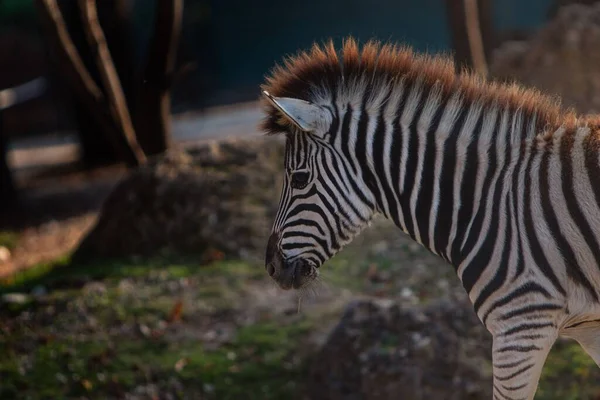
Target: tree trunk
{"x": 97, "y": 149}
{"x": 486, "y": 26}
{"x": 113, "y": 14}
{"x": 111, "y": 84}
{"x": 472, "y": 33}
{"x": 153, "y": 101}
{"x": 102, "y": 108}
{"x": 8, "y": 192}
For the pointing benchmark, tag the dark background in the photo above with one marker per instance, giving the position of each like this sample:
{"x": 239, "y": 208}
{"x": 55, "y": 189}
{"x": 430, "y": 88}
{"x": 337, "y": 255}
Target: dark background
{"x": 234, "y": 43}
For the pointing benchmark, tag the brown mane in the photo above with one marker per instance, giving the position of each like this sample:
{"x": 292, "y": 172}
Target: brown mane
{"x": 326, "y": 69}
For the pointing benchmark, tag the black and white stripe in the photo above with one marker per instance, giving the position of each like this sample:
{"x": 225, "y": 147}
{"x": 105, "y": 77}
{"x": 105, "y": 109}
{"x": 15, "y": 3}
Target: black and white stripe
{"x": 517, "y": 214}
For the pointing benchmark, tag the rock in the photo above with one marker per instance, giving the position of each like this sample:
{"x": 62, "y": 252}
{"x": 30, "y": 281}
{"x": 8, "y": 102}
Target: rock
{"x": 215, "y": 200}
{"x": 16, "y": 298}
{"x": 145, "y": 330}
{"x": 94, "y": 288}
{"x": 39, "y": 291}
{"x": 561, "y": 59}
{"x": 381, "y": 352}
{"x": 4, "y": 254}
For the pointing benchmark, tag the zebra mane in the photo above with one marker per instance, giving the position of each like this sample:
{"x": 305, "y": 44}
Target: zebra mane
{"x": 323, "y": 75}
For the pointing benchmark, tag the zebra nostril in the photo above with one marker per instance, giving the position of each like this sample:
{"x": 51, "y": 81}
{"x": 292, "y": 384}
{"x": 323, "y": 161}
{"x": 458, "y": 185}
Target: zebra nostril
{"x": 270, "y": 269}
{"x": 272, "y": 250}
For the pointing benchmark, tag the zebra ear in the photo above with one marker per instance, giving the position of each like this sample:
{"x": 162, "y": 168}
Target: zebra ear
{"x": 307, "y": 116}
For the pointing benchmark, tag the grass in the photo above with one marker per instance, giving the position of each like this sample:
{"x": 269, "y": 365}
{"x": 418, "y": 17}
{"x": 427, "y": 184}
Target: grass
{"x": 61, "y": 357}
{"x": 258, "y": 364}
{"x": 80, "y": 342}
{"x": 45, "y": 272}
{"x": 8, "y": 239}
{"x": 569, "y": 374}
{"x": 62, "y": 272}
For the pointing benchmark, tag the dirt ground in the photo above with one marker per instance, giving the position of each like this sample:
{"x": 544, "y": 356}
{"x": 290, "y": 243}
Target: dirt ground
{"x": 45, "y": 242}
{"x": 57, "y": 207}
{"x": 154, "y": 329}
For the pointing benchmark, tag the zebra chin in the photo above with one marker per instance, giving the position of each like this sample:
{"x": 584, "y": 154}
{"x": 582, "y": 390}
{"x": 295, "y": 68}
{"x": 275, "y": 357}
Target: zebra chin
{"x": 290, "y": 274}
{"x": 295, "y": 274}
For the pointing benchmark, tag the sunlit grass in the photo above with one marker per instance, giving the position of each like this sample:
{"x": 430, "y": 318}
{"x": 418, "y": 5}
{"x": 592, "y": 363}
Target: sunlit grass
{"x": 263, "y": 360}
{"x": 53, "y": 360}
{"x": 259, "y": 363}
{"x": 8, "y": 239}
{"x": 569, "y": 374}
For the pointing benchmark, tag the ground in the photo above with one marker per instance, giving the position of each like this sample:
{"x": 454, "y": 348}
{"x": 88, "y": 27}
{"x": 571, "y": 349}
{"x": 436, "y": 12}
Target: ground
{"x": 168, "y": 328}
{"x": 154, "y": 329}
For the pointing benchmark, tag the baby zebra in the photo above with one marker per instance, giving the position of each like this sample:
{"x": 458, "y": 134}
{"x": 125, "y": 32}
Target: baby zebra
{"x": 495, "y": 179}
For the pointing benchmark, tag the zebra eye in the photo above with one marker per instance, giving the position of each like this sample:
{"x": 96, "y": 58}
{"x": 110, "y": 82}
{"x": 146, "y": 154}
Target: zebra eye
{"x": 299, "y": 179}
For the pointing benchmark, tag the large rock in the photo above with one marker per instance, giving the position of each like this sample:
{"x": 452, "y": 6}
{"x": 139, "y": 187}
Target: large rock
{"x": 383, "y": 352}
{"x": 562, "y": 58}
{"x": 216, "y": 198}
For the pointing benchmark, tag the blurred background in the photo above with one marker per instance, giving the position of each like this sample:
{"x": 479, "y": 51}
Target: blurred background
{"x": 221, "y": 53}
{"x": 136, "y": 195}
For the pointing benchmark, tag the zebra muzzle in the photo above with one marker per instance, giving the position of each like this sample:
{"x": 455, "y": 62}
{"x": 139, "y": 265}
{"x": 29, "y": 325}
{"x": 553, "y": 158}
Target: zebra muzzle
{"x": 295, "y": 274}
{"x": 288, "y": 274}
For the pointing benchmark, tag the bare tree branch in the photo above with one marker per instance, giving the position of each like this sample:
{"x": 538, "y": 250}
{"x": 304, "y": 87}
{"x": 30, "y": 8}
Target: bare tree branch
{"x": 489, "y": 35}
{"x": 471, "y": 41}
{"x": 109, "y": 76}
{"x": 55, "y": 25}
{"x": 153, "y": 100}
{"x": 77, "y": 76}
{"x": 474, "y": 36}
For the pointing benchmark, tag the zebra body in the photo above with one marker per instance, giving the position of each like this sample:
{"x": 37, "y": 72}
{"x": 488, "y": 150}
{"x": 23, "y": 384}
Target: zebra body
{"x": 496, "y": 180}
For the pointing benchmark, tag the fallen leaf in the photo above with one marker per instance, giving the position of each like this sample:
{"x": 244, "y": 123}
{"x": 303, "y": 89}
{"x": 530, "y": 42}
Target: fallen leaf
{"x": 4, "y": 254}
{"x": 157, "y": 333}
{"x": 179, "y": 365}
{"x": 213, "y": 255}
{"x": 45, "y": 338}
{"x": 176, "y": 311}
{"x": 144, "y": 330}
{"x": 372, "y": 272}
{"x": 87, "y": 384}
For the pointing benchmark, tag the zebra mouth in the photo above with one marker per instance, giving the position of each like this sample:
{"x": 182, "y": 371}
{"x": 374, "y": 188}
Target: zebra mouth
{"x": 295, "y": 275}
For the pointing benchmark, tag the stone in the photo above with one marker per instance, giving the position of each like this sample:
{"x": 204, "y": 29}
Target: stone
{"x": 4, "y": 254}
{"x": 15, "y": 298}
{"x": 39, "y": 291}
{"x": 380, "y": 351}
{"x": 211, "y": 201}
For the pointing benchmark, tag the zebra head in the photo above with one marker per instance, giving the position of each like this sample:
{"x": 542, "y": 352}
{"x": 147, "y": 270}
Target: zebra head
{"x": 324, "y": 202}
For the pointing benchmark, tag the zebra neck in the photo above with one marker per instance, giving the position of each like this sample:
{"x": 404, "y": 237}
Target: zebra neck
{"x": 435, "y": 170}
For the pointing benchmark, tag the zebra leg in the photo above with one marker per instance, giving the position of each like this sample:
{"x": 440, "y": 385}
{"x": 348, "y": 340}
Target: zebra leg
{"x": 518, "y": 356}
{"x": 588, "y": 336}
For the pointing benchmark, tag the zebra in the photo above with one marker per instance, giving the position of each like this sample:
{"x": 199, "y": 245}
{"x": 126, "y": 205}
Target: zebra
{"x": 498, "y": 180}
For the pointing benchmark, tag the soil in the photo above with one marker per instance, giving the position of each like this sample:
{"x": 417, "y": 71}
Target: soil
{"x": 225, "y": 331}
{"x": 45, "y": 242}
{"x": 235, "y": 327}
{"x": 57, "y": 207}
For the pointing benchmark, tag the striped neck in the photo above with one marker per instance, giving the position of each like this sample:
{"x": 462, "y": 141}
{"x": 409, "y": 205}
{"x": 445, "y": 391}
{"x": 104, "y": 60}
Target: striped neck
{"x": 431, "y": 163}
